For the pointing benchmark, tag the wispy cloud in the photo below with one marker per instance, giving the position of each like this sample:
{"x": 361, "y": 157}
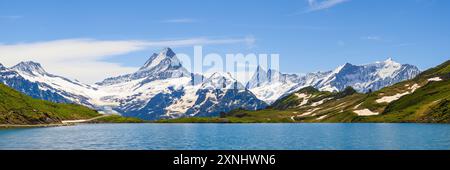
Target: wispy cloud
{"x": 316, "y": 5}
{"x": 84, "y": 59}
{"x": 180, "y": 20}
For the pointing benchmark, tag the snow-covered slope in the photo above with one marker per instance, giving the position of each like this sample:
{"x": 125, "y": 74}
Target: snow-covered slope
{"x": 362, "y": 78}
{"x": 271, "y": 85}
{"x": 30, "y": 78}
{"x": 222, "y": 93}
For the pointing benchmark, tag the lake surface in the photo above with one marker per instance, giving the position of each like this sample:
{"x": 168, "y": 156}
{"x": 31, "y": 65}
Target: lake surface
{"x": 231, "y": 136}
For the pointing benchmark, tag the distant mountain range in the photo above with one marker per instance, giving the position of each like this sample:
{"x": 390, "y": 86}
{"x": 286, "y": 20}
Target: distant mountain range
{"x": 364, "y": 78}
{"x": 163, "y": 88}
{"x": 423, "y": 99}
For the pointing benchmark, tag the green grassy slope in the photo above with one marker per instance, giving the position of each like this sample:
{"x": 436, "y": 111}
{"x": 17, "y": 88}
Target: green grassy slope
{"x": 17, "y": 108}
{"x": 429, "y": 103}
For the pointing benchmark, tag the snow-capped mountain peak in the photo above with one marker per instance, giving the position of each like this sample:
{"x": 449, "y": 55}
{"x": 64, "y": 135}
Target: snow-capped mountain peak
{"x": 159, "y": 66}
{"x": 389, "y": 68}
{"x": 166, "y": 56}
{"x": 271, "y": 84}
{"x": 262, "y": 77}
{"x": 2, "y": 67}
{"x": 390, "y": 61}
{"x": 259, "y": 77}
{"x": 150, "y": 62}
{"x": 30, "y": 67}
{"x": 221, "y": 81}
{"x": 341, "y": 69}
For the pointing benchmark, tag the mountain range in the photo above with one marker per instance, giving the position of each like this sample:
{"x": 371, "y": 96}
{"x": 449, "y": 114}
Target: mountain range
{"x": 423, "y": 99}
{"x": 271, "y": 85}
{"x": 162, "y": 88}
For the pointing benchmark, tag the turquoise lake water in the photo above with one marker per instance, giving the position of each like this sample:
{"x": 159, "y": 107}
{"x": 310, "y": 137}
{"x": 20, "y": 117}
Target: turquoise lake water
{"x": 231, "y": 136}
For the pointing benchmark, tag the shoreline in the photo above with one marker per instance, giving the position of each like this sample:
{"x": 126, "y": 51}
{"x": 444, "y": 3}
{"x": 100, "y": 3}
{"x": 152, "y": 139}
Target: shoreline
{"x": 11, "y": 126}
{"x": 63, "y": 123}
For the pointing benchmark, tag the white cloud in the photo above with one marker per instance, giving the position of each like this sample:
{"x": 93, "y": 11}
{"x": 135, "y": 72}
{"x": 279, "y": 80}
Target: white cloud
{"x": 316, "y": 5}
{"x": 84, "y": 59}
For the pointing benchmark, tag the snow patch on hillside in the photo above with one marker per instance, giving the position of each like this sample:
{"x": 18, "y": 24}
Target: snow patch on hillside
{"x": 389, "y": 99}
{"x": 303, "y": 96}
{"x": 321, "y": 117}
{"x": 319, "y": 102}
{"x": 365, "y": 112}
{"x": 309, "y": 112}
{"x": 435, "y": 79}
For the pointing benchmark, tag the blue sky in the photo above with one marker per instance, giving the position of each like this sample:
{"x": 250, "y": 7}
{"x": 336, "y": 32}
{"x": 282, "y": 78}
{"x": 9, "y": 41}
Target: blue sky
{"x": 309, "y": 35}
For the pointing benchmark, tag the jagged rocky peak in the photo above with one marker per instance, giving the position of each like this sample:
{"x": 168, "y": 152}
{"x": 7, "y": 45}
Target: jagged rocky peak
{"x": 221, "y": 81}
{"x": 30, "y": 67}
{"x": 165, "y": 57}
{"x": 347, "y": 68}
{"x": 258, "y": 78}
{"x": 274, "y": 75}
{"x": 391, "y": 68}
{"x": 346, "y": 65}
{"x": 262, "y": 77}
{"x": 163, "y": 65}
{"x": 2, "y": 67}
{"x": 343, "y": 67}
{"x": 260, "y": 70}
{"x": 390, "y": 61}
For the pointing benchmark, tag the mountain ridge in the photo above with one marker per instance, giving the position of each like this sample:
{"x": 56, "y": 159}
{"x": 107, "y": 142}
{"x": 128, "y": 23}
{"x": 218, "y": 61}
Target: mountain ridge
{"x": 364, "y": 78}
{"x": 162, "y": 88}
